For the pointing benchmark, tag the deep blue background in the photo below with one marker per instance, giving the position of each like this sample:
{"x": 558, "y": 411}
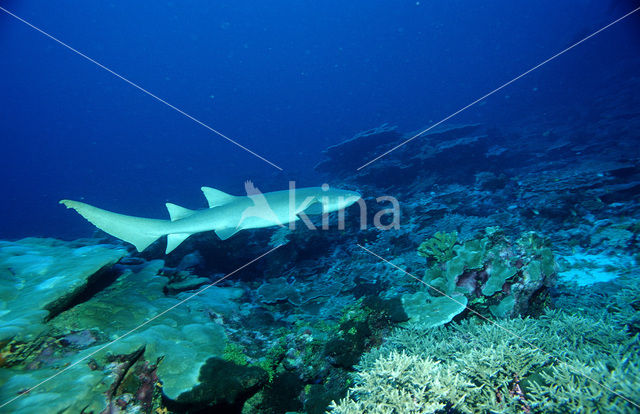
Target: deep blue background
{"x": 285, "y": 78}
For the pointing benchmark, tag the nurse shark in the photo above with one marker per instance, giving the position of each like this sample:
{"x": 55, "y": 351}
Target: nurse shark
{"x": 227, "y": 214}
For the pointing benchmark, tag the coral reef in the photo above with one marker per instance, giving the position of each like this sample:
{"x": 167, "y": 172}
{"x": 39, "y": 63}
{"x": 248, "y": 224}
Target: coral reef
{"x": 490, "y": 275}
{"x": 286, "y": 334}
{"x": 401, "y": 383}
{"x": 568, "y": 360}
{"x": 181, "y": 344}
{"x": 439, "y": 247}
{"x": 52, "y": 274}
{"x": 430, "y": 311}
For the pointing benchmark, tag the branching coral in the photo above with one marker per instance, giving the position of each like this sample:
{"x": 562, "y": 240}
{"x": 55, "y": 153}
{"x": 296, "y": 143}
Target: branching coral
{"x": 564, "y": 361}
{"x": 597, "y": 388}
{"x": 401, "y": 383}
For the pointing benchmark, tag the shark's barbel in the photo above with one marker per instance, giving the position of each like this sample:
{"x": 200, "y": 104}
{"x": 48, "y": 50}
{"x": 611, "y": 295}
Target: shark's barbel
{"x": 227, "y": 214}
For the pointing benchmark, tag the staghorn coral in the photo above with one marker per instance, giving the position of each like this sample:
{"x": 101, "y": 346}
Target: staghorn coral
{"x": 401, "y": 383}
{"x": 570, "y": 360}
{"x": 569, "y": 388}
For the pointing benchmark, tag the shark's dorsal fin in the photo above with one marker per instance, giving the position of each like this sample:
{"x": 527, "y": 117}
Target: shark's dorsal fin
{"x": 176, "y": 212}
{"x": 217, "y": 198}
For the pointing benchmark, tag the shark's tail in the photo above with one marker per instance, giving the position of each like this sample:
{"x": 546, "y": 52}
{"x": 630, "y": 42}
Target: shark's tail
{"x": 140, "y": 232}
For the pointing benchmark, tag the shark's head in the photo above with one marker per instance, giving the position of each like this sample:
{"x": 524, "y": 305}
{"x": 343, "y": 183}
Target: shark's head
{"x": 333, "y": 199}
{"x": 280, "y": 207}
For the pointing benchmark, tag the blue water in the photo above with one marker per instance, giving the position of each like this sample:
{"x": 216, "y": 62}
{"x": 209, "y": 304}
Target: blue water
{"x": 284, "y": 78}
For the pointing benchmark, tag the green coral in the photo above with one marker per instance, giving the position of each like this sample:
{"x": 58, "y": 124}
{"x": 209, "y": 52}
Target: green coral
{"x": 567, "y": 388}
{"x": 355, "y": 312}
{"x": 532, "y": 241}
{"x": 269, "y": 367}
{"x": 274, "y": 356}
{"x": 234, "y": 353}
{"x": 453, "y": 269}
{"x": 439, "y": 247}
{"x": 52, "y": 274}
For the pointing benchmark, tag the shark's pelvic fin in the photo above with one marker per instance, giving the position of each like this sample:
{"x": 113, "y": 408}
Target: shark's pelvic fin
{"x": 176, "y": 212}
{"x": 140, "y": 232}
{"x": 174, "y": 240}
{"x": 217, "y": 198}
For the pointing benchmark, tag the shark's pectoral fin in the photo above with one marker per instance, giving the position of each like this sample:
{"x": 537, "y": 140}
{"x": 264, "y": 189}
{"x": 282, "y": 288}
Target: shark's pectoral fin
{"x": 174, "y": 240}
{"x": 315, "y": 207}
{"x": 224, "y": 234}
{"x": 217, "y": 198}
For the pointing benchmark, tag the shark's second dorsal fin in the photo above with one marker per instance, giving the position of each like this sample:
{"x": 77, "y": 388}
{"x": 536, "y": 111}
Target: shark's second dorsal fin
{"x": 217, "y": 198}
{"x": 176, "y": 212}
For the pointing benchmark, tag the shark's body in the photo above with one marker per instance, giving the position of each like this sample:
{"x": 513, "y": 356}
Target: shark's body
{"x": 226, "y": 215}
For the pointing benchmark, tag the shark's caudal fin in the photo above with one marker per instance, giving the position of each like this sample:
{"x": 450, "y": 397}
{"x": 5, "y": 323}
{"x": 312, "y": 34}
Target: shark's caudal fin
{"x": 140, "y": 232}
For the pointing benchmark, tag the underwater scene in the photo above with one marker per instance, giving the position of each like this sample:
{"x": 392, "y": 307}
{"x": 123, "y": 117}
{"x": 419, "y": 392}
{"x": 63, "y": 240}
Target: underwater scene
{"x": 301, "y": 206}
